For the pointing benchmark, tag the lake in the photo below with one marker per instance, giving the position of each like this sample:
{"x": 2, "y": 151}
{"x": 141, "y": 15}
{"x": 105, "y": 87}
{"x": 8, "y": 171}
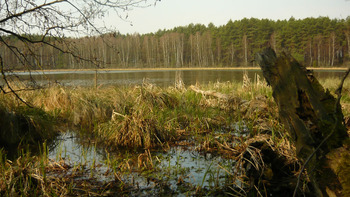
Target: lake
{"x": 162, "y": 78}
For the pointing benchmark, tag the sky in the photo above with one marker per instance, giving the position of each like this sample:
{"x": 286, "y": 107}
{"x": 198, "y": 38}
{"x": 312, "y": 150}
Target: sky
{"x": 168, "y": 14}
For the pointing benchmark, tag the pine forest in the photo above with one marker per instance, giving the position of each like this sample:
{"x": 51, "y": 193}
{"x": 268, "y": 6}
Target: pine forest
{"x": 315, "y": 42}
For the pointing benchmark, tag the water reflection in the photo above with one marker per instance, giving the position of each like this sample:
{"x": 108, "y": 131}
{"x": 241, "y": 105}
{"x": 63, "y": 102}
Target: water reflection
{"x": 68, "y": 146}
{"x": 203, "y": 170}
{"x": 181, "y": 168}
{"x": 162, "y": 78}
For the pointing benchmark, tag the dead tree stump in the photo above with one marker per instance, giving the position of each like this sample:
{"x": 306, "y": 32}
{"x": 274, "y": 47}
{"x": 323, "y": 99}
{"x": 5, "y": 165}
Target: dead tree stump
{"x": 310, "y": 114}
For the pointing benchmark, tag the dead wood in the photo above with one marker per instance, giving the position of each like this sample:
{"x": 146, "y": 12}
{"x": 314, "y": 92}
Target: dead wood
{"x": 209, "y": 93}
{"x": 310, "y": 113}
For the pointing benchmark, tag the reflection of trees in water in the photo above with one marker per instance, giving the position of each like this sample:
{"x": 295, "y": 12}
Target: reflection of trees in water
{"x": 179, "y": 84}
{"x": 159, "y": 78}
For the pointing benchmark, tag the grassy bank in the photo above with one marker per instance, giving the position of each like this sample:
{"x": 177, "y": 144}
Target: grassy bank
{"x": 231, "y": 120}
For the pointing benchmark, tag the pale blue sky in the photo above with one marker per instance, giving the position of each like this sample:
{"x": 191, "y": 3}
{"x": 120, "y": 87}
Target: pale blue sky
{"x": 172, "y": 13}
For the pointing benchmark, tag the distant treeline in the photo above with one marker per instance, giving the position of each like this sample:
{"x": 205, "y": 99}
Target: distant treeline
{"x": 318, "y": 42}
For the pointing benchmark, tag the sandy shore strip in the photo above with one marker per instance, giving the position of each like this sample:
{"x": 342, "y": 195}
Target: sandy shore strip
{"x": 179, "y": 69}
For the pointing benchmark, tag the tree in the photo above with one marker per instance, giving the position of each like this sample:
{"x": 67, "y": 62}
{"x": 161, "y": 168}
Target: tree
{"x": 312, "y": 41}
{"x": 26, "y": 24}
{"x": 245, "y": 48}
{"x": 332, "y": 45}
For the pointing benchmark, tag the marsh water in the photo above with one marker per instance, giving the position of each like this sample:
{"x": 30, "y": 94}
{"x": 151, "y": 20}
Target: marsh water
{"x": 162, "y": 78}
{"x": 181, "y": 168}
{"x": 182, "y": 165}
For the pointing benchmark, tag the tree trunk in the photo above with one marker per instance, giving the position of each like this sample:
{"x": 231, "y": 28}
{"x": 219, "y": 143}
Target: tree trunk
{"x": 232, "y": 54}
{"x": 313, "y": 118}
{"x": 273, "y": 41}
{"x": 198, "y": 48}
{"x": 347, "y": 34}
{"x": 333, "y": 48}
{"x": 319, "y": 53}
{"x": 245, "y": 43}
{"x": 311, "y": 59}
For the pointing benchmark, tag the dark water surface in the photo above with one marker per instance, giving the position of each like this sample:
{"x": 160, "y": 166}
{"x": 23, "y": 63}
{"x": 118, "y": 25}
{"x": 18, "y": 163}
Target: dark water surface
{"x": 162, "y": 78}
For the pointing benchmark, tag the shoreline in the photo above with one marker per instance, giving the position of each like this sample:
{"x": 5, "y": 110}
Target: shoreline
{"x": 174, "y": 69}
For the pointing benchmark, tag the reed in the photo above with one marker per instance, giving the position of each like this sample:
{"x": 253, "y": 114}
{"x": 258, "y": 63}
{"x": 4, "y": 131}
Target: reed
{"x": 332, "y": 84}
{"x": 145, "y": 117}
{"x": 148, "y": 116}
{"x": 30, "y": 175}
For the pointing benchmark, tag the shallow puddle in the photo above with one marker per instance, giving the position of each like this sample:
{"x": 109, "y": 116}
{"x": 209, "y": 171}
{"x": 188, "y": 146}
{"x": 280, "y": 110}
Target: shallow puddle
{"x": 179, "y": 171}
{"x": 68, "y": 147}
{"x": 197, "y": 169}
{"x": 88, "y": 159}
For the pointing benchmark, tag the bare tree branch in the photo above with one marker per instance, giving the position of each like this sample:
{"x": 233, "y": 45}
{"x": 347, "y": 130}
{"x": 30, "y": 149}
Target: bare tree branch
{"x": 8, "y": 84}
{"x": 28, "y": 11}
{"x": 26, "y": 26}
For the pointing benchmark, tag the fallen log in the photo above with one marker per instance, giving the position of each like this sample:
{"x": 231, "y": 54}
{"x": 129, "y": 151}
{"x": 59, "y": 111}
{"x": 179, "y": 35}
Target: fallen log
{"x": 209, "y": 93}
{"x": 312, "y": 116}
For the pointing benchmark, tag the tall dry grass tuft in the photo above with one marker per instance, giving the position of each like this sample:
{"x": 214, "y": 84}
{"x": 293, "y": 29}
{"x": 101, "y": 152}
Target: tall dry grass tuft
{"x": 53, "y": 98}
{"x": 84, "y": 107}
{"x": 91, "y": 107}
{"x": 247, "y": 84}
{"x": 147, "y": 116}
{"x": 138, "y": 118}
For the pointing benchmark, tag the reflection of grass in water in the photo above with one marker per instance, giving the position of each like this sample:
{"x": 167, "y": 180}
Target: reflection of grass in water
{"x": 172, "y": 170}
{"x": 188, "y": 169}
{"x": 206, "y": 173}
{"x": 30, "y": 175}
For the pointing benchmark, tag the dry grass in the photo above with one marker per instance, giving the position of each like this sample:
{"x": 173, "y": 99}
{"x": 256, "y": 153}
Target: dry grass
{"x": 147, "y": 116}
{"x": 38, "y": 176}
{"x": 223, "y": 118}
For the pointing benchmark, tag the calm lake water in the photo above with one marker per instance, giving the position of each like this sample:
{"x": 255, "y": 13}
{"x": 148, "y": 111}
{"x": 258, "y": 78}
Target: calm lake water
{"x": 162, "y": 78}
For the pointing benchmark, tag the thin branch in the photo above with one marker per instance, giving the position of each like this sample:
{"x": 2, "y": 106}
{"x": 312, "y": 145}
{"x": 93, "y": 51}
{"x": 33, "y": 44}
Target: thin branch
{"x": 9, "y": 86}
{"x": 84, "y": 16}
{"x": 339, "y": 89}
{"x": 51, "y": 22}
{"x": 22, "y": 38}
{"x": 30, "y": 10}
{"x": 13, "y": 49}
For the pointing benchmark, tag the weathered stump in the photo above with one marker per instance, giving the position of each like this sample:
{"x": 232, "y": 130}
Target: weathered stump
{"x": 310, "y": 114}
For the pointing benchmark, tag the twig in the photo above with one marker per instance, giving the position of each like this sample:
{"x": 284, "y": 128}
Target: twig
{"x": 338, "y": 93}
{"x": 9, "y": 86}
{"x": 18, "y": 15}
